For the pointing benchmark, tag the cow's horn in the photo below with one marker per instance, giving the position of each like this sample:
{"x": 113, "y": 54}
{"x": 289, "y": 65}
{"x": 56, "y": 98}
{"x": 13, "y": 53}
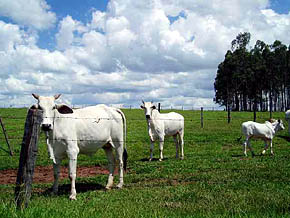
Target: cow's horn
{"x": 56, "y": 96}
{"x": 35, "y": 96}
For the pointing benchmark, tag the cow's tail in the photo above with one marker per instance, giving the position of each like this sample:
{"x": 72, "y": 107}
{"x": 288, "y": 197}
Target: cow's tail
{"x": 125, "y": 154}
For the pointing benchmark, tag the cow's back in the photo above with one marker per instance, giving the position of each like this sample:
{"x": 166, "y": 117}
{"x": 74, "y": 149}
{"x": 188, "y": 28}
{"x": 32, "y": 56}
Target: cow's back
{"x": 97, "y": 125}
{"x": 173, "y": 123}
{"x": 257, "y": 130}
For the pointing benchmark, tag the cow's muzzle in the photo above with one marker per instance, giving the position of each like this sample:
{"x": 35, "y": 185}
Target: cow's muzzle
{"x": 46, "y": 127}
{"x": 147, "y": 116}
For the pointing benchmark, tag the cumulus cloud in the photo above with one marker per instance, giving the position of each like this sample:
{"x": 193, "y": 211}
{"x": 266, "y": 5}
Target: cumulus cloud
{"x": 32, "y": 13}
{"x": 161, "y": 50}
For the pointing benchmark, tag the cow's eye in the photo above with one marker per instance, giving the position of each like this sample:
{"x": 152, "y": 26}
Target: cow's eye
{"x": 54, "y": 107}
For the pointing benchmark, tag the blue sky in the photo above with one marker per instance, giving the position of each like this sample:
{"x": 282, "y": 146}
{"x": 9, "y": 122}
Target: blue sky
{"x": 160, "y": 50}
{"x": 79, "y": 11}
{"x": 280, "y": 6}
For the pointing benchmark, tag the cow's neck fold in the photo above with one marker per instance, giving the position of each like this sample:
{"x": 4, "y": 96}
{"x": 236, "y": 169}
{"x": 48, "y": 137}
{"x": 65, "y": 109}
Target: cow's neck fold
{"x": 275, "y": 127}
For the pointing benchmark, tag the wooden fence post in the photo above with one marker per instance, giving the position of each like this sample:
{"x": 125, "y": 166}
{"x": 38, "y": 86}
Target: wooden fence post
{"x": 6, "y": 138}
{"x": 201, "y": 117}
{"x": 29, "y": 148}
{"x": 159, "y": 107}
{"x": 229, "y": 114}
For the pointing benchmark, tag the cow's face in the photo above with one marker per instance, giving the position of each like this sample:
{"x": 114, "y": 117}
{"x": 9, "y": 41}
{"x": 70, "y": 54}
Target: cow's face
{"x": 280, "y": 125}
{"x": 48, "y": 106}
{"x": 147, "y": 107}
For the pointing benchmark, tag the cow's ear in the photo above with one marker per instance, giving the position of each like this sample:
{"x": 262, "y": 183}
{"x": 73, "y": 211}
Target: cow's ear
{"x": 142, "y": 106}
{"x": 153, "y": 107}
{"x": 64, "y": 109}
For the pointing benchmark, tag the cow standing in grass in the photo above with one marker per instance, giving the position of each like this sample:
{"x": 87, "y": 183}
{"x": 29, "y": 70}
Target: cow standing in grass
{"x": 83, "y": 131}
{"x": 161, "y": 125}
{"x": 265, "y": 131}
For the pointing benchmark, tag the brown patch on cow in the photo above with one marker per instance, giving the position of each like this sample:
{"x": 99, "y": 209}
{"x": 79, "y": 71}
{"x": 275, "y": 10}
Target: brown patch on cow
{"x": 44, "y": 174}
{"x": 271, "y": 120}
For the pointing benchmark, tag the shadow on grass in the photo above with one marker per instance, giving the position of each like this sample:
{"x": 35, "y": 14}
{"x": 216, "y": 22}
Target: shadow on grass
{"x": 249, "y": 155}
{"x": 153, "y": 159}
{"x": 80, "y": 187}
{"x": 287, "y": 138}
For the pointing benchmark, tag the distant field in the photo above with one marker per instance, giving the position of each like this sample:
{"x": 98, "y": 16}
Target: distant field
{"x": 214, "y": 179}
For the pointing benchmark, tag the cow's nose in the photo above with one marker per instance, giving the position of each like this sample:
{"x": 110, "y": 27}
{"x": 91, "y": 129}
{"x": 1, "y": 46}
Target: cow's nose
{"x": 147, "y": 116}
{"x": 46, "y": 127}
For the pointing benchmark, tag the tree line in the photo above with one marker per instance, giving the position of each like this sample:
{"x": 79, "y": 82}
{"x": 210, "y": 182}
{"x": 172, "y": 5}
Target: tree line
{"x": 255, "y": 79}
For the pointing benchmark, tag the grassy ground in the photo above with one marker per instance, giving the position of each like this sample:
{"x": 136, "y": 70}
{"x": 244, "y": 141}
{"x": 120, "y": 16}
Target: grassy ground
{"x": 214, "y": 179}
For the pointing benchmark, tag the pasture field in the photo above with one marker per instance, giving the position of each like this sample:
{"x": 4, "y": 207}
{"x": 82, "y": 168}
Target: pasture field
{"x": 214, "y": 179}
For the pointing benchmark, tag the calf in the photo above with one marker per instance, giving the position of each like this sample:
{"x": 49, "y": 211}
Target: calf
{"x": 161, "y": 125}
{"x": 265, "y": 131}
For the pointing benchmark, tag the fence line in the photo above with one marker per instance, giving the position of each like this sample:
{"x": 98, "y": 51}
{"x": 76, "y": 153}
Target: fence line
{"x": 128, "y": 106}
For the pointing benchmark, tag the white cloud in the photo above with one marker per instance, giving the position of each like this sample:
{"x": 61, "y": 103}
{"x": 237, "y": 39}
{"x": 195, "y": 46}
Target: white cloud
{"x": 32, "y": 13}
{"x": 68, "y": 32}
{"x": 160, "y": 50}
{"x": 10, "y": 35}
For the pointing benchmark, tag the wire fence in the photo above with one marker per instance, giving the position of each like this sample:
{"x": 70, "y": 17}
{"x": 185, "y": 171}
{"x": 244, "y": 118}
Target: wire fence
{"x": 198, "y": 118}
{"x": 128, "y": 106}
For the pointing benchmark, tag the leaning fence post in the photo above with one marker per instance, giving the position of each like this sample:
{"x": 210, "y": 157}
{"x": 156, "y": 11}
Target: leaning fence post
{"x": 29, "y": 148}
{"x": 6, "y": 137}
{"x": 201, "y": 117}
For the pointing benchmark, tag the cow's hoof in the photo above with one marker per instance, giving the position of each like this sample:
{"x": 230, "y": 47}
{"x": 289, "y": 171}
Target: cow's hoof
{"x": 72, "y": 197}
{"x": 160, "y": 159}
{"x": 120, "y": 185}
{"x": 150, "y": 159}
{"x": 181, "y": 158}
{"x": 263, "y": 152}
{"x": 108, "y": 188}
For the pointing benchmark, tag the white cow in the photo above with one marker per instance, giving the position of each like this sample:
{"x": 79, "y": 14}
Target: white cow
{"x": 161, "y": 125}
{"x": 265, "y": 131}
{"x": 82, "y": 131}
{"x": 287, "y": 117}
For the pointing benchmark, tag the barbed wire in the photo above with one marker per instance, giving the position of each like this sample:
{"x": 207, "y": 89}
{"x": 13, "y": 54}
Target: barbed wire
{"x": 141, "y": 119}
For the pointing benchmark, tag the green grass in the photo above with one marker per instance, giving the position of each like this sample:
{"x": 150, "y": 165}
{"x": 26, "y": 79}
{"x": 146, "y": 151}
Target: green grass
{"x": 214, "y": 179}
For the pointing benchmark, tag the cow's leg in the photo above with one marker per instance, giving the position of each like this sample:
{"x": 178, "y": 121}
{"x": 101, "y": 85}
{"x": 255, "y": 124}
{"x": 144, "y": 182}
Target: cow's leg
{"x": 56, "y": 167}
{"x": 181, "y": 144}
{"x": 271, "y": 147}
{"x": 250, "y": 147}
{"x": 176, "y": 145}
{"x": 161, "y": 143}
{"x": 151, "y": 149}
{"x": 72, "y": 177}
{"x": 119, "y": 152}
{"x": 265, "y": 148}
{"x": 72, "y": 155}
{"x": 111, "y": 160}
{"x": 245, "y": 146}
